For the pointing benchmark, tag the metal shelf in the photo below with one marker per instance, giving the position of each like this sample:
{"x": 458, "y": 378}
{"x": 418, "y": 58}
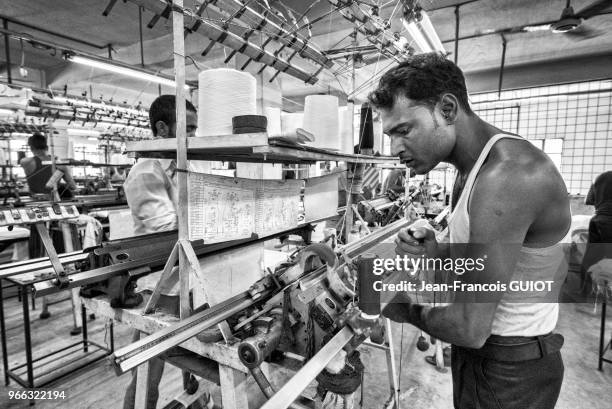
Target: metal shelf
{"x": 252, "y": 147}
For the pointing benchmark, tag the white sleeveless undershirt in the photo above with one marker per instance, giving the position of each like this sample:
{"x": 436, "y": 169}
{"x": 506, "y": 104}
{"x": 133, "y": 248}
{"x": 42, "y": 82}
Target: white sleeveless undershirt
{"x": 514, "y": 318}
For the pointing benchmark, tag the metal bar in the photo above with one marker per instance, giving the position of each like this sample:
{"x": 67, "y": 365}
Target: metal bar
{"x": 109, "y": 7}
{"x": 112, "y": 336}
{"x": 292, "y": 389}
{"x": 28, "y": 339}
{"x": 153, "y": 345}
{"x": 391, "y": 368}
{"x": 3, "y": 336}
{"x": 95, "y": 275}
{"x": 53, "y": 33}
{"x": 266, "y": 387}
{"x": 140, "y": 36}
{"x": 50, "y": 355}
{"x": 501, "y": 68}
{"x": 18, "y": 379}
{"x": 456, "y": 34}
{"x": 84, "y": 326}
{"x": 7, "y": 52}
{"x": 71, "y": 370}
{"x": 602, "y": 334}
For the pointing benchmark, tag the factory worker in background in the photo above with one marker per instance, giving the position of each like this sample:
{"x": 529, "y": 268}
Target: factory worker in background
{"x": 510, "y": 209}
{"x": 152, "y": 195}
{"x": 38, "y": 174}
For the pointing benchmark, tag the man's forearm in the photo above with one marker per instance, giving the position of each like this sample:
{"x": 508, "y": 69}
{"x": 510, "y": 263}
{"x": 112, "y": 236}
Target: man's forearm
{"x": 443, "y": 250}
{"x": 446, "y": 323}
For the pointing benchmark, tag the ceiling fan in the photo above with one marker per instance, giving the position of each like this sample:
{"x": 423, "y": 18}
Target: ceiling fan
{"x": 570, "y": 22}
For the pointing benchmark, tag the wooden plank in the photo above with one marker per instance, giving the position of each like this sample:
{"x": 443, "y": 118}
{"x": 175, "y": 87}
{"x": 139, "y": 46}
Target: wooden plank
{"x": 142, "y": 388}
{"x": 233, "y": 388}
{"x": 208, "y": 142}
{"x": 320, "y": 155}
{"x": 48, "y": 244}
{"x": 181, "y": 152}
{"x": 165, "y": 275}
{"x": 250, "y": 148}
{"x": 221, "y": 353}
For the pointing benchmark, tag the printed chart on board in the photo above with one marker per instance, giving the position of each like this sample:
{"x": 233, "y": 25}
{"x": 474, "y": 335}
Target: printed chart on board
{"x": 224, "y": 208}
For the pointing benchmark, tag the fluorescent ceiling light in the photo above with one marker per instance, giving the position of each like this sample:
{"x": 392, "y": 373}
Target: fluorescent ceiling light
{"x": 424, "y": 34}
{"x": 118, "y": 69}
{"x": 417, "y": 36}
{"x": 430, "y": 32}
{"x": 82, "y": 132}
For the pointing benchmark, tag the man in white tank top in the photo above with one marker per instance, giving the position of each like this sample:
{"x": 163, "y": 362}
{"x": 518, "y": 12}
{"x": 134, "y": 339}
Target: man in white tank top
{"x": 510, "y": 208}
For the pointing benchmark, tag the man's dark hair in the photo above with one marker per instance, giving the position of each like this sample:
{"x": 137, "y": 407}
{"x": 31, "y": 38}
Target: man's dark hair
{"x": 164, "y": 109}
{"x": 422, "y": 78}
{"x": 38, "y": 142}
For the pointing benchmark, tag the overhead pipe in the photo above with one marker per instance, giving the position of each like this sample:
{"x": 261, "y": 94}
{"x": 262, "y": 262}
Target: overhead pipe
{"x": 501, "y": 68}
{"x": 457, "y": 35}
{"x": 7, "y": 52}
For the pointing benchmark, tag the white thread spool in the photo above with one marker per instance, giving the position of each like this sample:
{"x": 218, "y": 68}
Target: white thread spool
{"x": 346, "y": 129}
{"x": 223, "y": 94}
{"x": 274, "y": 121}
{"x": 321, "y": 118}
{"x": 290, "y": 122}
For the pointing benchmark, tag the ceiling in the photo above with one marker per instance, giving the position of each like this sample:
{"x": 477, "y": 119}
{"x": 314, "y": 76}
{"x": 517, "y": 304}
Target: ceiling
{"x": 531, "y": 58}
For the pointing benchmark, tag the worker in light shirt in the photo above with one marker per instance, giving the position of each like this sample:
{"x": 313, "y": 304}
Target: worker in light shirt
{"x": 152, "y": 196}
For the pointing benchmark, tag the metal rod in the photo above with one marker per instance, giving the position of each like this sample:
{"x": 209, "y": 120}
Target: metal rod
{"x": 602, "y": 334}
{"x": 153, "y": 345}
{"x": 140, "y": 35}
{"x": 39, "y": 264}
{"x": 53, "y": 33}
{"x": 3, "y": 336}
{"x": 28, "y": 339}
{"x": 456, "y": 34}
{"x": 7, "y": 52}
{"x": 501, "y": 68}
{"x": 266, "y": 387}
{"x": 292, "y": 389}
{"x": 109, "y": 7}
{"x": 84, "y": 326}
{"x": 112, "y": 336}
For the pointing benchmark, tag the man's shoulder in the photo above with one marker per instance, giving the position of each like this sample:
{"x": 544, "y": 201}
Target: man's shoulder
{"x": 26, "y": 161}
{"x": 147, "y": 167}
{"x": 514, "y": 161}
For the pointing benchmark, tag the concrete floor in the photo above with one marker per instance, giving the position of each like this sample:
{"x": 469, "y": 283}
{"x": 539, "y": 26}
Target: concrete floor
{"x": 422, "y": 386}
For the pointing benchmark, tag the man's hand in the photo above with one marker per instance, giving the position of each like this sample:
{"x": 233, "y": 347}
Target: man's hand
{"x": 416, "y": 240}
{"x": 398, "y": 308}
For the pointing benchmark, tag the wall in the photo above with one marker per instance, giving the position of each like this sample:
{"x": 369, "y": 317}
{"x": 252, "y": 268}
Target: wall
{"x": 578, "y": 113}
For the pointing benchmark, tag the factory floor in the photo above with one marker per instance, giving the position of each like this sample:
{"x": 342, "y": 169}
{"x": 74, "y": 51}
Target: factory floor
{"x": 422, "y": 385}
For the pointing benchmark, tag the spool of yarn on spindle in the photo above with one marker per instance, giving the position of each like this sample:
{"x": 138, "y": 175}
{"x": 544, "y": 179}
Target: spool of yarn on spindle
{"x": 290, "y": 122}
{"x": 223, "y": 94}
{"x": 321, "y": 118}
{"x": 274, "y": 121}
{"x": 346, "y": 129}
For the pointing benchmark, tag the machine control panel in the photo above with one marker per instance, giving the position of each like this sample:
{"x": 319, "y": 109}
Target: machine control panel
{"x": 37, "y": 214}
